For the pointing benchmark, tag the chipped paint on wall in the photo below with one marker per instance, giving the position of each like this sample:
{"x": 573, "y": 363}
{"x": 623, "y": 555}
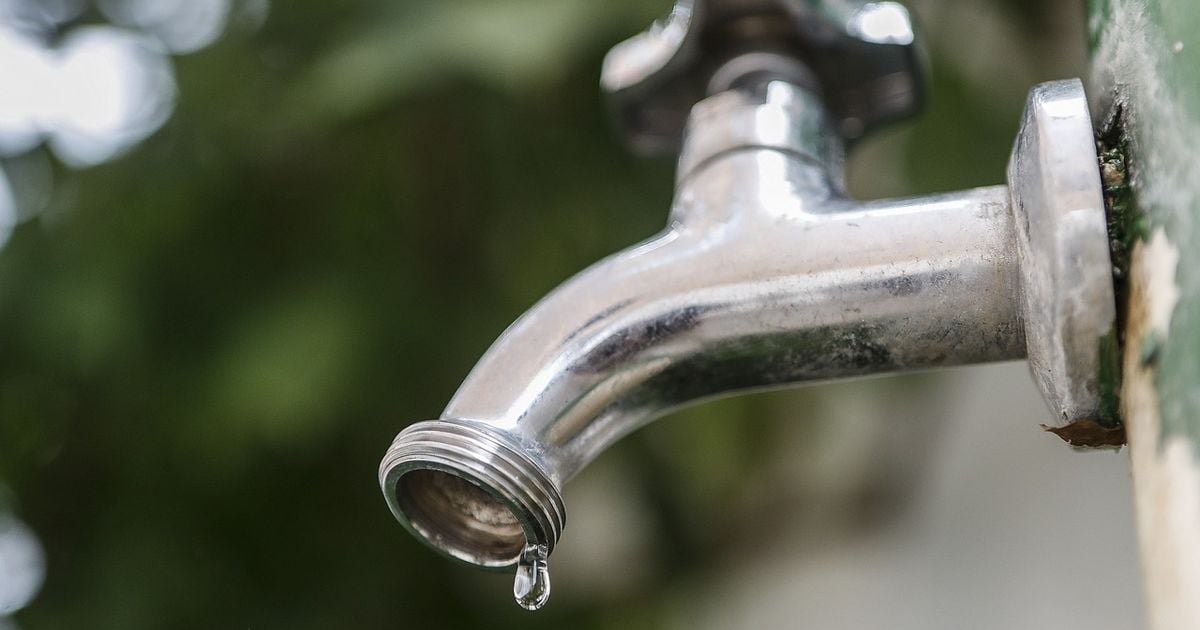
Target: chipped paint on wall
{"x": 1166, "y": 475}
{"x": 1146, "y": 63}
{"x": 1137, "y": 63}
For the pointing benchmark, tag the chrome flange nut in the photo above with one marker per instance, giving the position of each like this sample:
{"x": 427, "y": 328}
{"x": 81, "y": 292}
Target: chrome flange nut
{"x": 1062, "y": 245}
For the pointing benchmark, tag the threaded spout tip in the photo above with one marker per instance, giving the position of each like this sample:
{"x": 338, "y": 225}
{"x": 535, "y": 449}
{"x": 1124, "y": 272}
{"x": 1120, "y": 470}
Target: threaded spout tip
{"x": 470, "y": 492}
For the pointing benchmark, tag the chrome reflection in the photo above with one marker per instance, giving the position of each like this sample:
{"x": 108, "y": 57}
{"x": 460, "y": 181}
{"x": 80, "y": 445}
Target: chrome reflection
{"x": 882, "y": 23}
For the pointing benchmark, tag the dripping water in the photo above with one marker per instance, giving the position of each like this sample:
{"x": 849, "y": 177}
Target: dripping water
{"x": 531, "y": 587}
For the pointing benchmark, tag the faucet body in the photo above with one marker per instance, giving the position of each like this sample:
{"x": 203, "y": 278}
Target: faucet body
{"x": 767, "y": 275}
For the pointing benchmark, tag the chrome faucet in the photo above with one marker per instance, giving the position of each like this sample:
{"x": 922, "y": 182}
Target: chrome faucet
{"x": 767, "y": 275}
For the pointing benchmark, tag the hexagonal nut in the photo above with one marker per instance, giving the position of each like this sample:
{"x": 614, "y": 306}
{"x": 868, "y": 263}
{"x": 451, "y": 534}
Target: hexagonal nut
{"x": 1062, "y": 243}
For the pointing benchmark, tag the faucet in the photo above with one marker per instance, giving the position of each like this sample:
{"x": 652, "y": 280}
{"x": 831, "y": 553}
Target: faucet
{"x": 767, "y": 275}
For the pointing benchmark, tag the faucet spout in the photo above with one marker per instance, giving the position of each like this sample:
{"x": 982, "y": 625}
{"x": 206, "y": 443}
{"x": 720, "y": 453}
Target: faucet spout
{"x": 767, "y": 276}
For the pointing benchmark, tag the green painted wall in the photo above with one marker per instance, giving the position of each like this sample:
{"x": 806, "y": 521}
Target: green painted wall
{"x": 1147, "y": 60}
{"x": 1146, "y": 93}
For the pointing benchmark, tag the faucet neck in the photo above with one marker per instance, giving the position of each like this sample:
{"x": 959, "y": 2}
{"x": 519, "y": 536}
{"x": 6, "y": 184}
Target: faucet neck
{"x": 775, "y": 115}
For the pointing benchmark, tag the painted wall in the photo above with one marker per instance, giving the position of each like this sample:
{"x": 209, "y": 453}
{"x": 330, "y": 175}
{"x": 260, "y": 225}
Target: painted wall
{"x": 1146, "y": 89}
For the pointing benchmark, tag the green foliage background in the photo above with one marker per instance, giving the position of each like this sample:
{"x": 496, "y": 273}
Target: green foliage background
{"x": 206, "y": 345}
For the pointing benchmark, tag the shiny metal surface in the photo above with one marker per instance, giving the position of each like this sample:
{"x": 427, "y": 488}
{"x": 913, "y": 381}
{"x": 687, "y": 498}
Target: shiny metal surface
{"x": 475, "y": 493}
{"x": 766, "y": 276}
{"x": 759, "y": 282}
{"x": 772, "y": 116}
{"x": 860, "y": 56}
{"x": 1062, "y": 237}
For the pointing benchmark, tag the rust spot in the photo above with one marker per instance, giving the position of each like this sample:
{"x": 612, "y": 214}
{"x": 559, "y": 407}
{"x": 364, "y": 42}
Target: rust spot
{"x": 1089, "y": 434}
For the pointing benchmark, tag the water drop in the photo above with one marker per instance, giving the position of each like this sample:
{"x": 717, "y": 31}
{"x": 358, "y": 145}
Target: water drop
{"x": 531, "y": 587}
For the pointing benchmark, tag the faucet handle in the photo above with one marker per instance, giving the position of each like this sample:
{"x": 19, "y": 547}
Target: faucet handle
{"x": 860, "y": 56}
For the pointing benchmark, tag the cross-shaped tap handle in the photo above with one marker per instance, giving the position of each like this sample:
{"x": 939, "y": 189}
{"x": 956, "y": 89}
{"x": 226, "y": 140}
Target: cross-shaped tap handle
{"x": 861, "y": 57}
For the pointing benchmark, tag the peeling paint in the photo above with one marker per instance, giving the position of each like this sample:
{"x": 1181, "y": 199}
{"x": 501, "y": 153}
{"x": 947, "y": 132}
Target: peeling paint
{"x": 1136, "y": 71}
{"x": 1089, "y": 434}
{"x": 1166, "y": 473}
{"x": 1160, "y": 260}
